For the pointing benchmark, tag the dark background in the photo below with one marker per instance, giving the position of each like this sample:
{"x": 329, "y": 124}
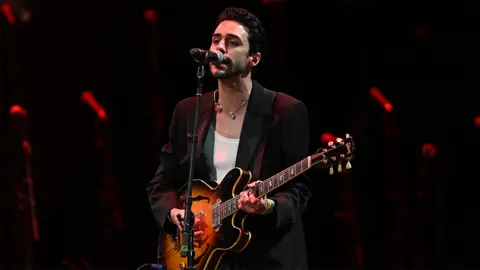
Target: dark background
{"x": 396, "y": 209}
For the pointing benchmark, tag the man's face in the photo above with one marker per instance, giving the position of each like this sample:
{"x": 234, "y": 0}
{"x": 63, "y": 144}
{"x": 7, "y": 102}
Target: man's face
{"x": 231, "y": 39}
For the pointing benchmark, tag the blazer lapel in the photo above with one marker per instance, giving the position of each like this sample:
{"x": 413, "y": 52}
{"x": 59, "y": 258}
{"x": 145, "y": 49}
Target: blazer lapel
{"x": 253, "y": 128}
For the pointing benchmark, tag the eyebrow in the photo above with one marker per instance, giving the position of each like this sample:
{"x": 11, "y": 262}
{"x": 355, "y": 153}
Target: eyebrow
{"x": 228, "y": 35}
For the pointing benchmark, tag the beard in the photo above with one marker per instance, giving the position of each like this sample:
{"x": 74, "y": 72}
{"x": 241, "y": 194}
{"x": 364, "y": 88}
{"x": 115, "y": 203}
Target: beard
{"x": 233, "y": 70}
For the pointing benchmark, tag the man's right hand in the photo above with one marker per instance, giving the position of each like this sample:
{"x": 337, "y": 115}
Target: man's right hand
{"x": 198, "y": 234}
{"x": 174, "y": 213}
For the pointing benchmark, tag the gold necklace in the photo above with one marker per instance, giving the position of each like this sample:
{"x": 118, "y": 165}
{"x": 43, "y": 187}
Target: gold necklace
{"x": 219, "y": 107}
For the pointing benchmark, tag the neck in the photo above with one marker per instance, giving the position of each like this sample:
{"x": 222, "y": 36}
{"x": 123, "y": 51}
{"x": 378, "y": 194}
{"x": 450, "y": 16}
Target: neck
{"x": 234, "y": 91}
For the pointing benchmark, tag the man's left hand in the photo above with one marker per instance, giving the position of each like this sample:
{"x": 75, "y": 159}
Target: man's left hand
{"x": 251, "y": 204}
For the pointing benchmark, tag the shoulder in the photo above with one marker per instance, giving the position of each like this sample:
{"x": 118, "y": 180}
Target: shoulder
{"x": 186, "y": 103}
{"x": 286, "y": 105}
{"x": 189, "y": 104}
{"x": 287, "y": 100}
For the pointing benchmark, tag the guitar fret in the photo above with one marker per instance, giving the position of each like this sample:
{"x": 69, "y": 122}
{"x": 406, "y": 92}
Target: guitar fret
{"x": 227, "y": 208}
{"x": 233, "y": 206}
{"x": 230, "y": 206}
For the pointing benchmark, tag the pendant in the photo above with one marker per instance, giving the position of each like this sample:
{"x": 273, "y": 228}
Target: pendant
{"x": 232, "y": 115}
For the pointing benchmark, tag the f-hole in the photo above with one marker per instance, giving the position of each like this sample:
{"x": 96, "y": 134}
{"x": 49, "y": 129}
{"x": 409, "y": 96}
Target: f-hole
{"x": 200, "y": 198}
{"x": 195, "y": 199}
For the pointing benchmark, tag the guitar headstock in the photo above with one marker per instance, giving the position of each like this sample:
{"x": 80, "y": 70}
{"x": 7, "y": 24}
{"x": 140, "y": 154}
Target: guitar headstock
{"x": 337, "y": 155}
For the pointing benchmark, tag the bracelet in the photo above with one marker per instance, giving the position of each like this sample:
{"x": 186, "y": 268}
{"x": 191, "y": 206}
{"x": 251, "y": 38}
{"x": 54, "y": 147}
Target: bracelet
{"x": 270, "y": 205}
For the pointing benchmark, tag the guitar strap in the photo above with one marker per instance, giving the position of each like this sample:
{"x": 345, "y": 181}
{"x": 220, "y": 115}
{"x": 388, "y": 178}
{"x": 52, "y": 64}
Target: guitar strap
{"x": 268, "y": 118}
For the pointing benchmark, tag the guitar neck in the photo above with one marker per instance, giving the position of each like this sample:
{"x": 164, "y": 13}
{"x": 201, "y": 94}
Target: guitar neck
{"x": 270, "y": 184}
{"x": 229, "y": 207}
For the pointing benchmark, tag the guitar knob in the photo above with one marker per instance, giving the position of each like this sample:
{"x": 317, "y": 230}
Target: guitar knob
{"x": 181, "y": 265}
{"x": 339, "y": 169}
{"x": 348, "y": 165}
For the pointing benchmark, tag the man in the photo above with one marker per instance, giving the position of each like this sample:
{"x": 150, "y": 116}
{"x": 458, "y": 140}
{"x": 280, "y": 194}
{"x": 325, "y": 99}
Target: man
{"x": 233, "y": 123}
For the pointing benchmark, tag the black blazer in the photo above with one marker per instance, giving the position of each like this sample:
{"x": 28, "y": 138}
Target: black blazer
{"x": 278, "y": 238}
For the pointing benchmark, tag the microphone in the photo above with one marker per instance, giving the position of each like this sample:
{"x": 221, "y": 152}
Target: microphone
{"x": 205, "y": 56}
{"x": 87, "y": 97}
{"x": 20, "y": 120}
{"x": 17, "y": 110}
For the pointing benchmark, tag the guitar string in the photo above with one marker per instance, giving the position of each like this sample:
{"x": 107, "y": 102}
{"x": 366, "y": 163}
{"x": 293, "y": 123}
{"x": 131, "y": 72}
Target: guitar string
{"x": 224, "y": 210}
{"x": 221, "y": 208}
{"x": 177, "y": 235}
{"x": 227, "y": 204}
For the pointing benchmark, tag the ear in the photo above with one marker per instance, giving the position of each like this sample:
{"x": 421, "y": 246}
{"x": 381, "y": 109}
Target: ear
{"x": 255, "y": 59}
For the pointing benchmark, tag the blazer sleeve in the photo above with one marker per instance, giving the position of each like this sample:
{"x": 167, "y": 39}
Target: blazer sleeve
{"x": 162, "y": 189}
{"x": 291, "y": 200}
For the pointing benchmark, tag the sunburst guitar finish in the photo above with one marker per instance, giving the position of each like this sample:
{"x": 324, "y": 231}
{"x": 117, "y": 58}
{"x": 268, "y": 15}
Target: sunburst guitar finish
{"x": 222, "y": 226}
{"x": 220, "y": 218}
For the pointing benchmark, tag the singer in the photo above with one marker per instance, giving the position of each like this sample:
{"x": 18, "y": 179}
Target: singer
{"x": 242, "y": 124}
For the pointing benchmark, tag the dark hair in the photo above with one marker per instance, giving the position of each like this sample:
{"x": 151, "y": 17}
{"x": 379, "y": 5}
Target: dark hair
{"x": 256, "y": 33}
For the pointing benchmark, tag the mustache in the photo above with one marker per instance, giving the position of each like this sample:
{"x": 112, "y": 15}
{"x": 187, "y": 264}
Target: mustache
{"x": 226, "y": 60}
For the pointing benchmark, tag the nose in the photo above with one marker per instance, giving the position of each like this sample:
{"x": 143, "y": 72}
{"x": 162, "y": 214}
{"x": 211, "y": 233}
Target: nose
{"x": 221, "y": 46}
{"x": 222, "y": 50}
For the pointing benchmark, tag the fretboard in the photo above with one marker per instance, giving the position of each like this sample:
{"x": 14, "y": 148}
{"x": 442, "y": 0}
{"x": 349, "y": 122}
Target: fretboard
{"x": 266, "y": 186}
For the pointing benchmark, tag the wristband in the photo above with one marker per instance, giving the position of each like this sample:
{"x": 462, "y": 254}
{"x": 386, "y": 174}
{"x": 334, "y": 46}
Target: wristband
{"x": 270, "y": 205}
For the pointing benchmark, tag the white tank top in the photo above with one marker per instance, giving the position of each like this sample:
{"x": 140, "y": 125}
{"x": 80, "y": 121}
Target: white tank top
{"x": 224, "y": 155}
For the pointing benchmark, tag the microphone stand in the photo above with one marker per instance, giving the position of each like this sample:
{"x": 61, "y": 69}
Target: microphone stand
{"x": 27, "y": 198}
{"x": 187, "y": 248}
{"x": 33, "y": 223}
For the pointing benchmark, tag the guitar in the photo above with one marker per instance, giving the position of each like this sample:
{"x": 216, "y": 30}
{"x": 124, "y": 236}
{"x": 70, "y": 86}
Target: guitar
{"x": 221, "y": 220}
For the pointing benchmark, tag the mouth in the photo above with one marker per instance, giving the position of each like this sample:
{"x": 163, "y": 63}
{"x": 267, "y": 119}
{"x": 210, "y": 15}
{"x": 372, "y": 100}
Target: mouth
{"x": 221, "y": 65}
{"x": 226, "y": 61}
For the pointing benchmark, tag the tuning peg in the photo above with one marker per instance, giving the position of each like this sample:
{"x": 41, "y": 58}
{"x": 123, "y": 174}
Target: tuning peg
{"x": 339, "y": 140}
{"x": 347, "y": 136}
{"x": 339, "y": 169}
{"x": 331, "y": 170}
{"x": 348, "y": 166}
{"x": 330, "y": 143}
